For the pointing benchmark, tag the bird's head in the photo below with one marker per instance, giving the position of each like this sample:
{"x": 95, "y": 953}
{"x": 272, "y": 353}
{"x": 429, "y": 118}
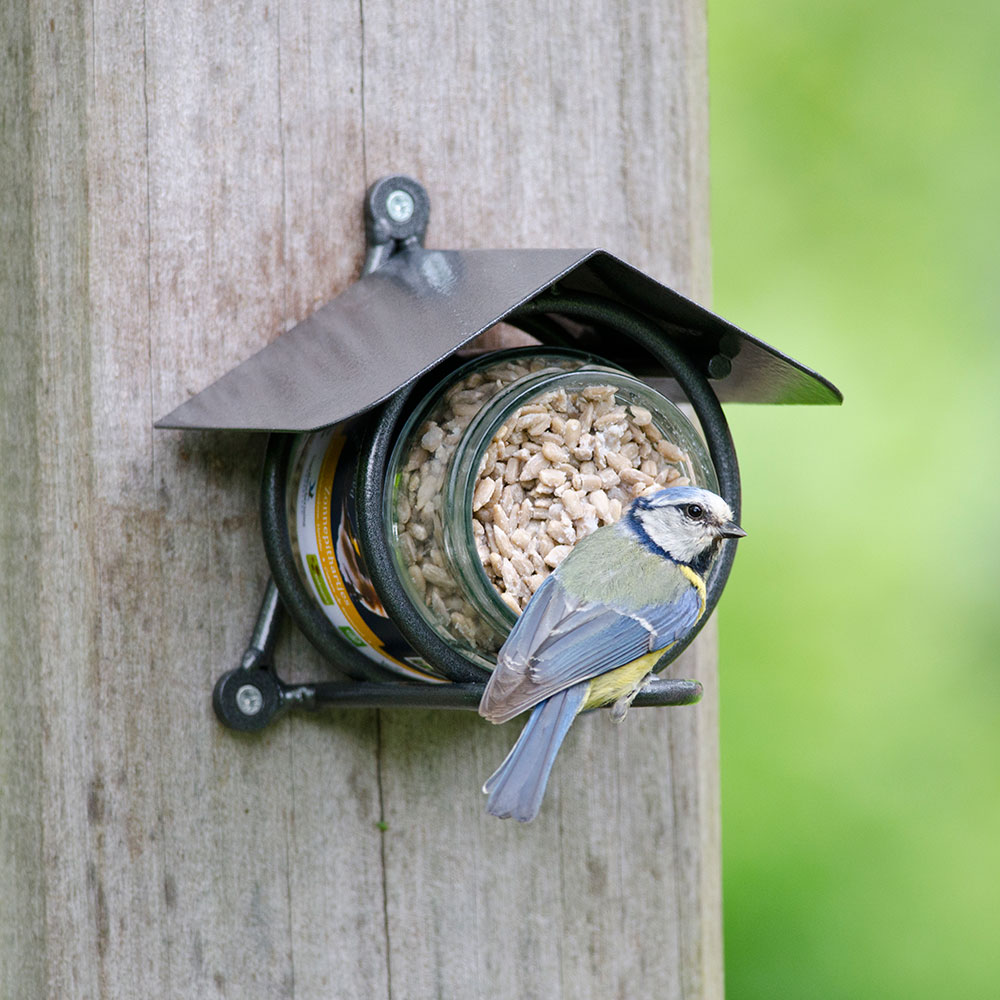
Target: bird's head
{"x": 685, "y": 523}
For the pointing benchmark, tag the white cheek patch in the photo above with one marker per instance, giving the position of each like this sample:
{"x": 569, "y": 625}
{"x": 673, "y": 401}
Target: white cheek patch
{"x": 671, "y": 531}
{"x": 666, "y": 531}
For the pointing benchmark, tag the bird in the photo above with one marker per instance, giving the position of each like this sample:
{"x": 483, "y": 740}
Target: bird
{"x": 592, "y": 632}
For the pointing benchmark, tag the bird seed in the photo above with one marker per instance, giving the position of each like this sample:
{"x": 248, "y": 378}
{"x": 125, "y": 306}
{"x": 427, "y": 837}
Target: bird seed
{"x": 559, "y": 467}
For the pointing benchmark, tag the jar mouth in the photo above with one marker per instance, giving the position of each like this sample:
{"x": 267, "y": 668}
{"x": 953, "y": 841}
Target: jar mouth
{"x": 483, "y": 428}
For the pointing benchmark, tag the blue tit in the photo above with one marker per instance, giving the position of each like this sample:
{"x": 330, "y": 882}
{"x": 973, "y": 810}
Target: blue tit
{"x": 595, "y": 628}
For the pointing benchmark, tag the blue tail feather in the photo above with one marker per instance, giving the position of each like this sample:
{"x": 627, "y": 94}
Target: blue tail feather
{"x": 517, "y": 787}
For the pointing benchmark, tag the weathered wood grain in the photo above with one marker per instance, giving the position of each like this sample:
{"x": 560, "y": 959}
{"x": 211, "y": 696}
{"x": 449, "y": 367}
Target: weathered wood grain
{"x": 182, "y": 182}
{"x": 22, "y": 910}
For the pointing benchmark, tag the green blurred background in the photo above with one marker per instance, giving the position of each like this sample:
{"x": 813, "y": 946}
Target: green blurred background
{"x": 855, "y": 226}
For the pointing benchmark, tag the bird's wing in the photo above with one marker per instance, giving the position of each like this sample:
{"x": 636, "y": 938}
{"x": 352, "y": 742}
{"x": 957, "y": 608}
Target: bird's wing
{"x": 549, "y": 606}
{"x": 609, "y": 637}
{"x": 558, "y": 642}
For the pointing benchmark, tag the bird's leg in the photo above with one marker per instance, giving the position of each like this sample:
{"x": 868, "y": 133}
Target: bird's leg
{"x": 620, "y": 708}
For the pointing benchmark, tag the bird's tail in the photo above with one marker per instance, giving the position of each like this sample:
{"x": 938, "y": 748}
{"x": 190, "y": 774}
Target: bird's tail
{"x": 517, "y": 786}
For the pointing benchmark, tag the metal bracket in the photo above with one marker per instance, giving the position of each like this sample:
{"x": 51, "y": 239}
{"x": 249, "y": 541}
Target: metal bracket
{"x": 249, "y": 697}
{"x": 397, "y": 210}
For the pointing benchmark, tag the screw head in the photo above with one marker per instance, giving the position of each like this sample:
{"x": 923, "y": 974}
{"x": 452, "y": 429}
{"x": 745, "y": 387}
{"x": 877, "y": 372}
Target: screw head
{"x": 399, "y": 205}
{"x": 249, "y": 699}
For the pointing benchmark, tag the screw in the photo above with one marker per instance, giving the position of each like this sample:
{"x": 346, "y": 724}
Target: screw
{"x": 400, "y": 206}
{"x": 249, "y": 699}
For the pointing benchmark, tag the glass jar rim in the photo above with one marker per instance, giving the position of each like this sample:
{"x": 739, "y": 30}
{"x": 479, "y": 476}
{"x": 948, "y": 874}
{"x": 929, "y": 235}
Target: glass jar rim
{"x": 482, "y": 429}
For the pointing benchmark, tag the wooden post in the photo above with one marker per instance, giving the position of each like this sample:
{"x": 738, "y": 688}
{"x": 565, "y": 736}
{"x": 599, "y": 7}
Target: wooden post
{"x": 180, "y": 182}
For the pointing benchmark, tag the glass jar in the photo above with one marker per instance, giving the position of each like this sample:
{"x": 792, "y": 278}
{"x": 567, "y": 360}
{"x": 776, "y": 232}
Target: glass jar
{"x": 504, "y": 465}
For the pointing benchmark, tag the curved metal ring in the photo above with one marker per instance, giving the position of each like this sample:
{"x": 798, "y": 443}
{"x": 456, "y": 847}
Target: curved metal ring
{"x": 378, "y": 437}
{"x": 381, "y": 434}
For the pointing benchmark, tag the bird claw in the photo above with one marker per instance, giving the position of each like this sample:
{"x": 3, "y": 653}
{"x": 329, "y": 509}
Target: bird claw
{"x": 620, "y": 708}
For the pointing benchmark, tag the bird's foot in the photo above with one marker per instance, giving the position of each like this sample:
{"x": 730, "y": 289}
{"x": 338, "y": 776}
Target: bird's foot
{"x": 620, "y": 708}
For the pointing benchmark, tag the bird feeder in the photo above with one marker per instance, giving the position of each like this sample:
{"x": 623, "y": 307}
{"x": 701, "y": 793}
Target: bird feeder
{"x": 345, "y": 394}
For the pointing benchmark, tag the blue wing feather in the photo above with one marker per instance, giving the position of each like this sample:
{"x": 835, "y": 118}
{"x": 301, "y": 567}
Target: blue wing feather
{"x": 549, "y": 607}
{"x": 610, "y": 638}
{"x": 559, "y": 641}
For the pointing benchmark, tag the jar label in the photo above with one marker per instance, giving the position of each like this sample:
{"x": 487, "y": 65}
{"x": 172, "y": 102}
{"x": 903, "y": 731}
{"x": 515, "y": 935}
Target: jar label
{"x": 332, "y": 563}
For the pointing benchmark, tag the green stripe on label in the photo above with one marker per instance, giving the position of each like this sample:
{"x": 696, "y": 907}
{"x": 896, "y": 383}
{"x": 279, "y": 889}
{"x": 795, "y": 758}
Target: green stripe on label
{"x": 317, "y": 578}
{"x": 351, "y": 635}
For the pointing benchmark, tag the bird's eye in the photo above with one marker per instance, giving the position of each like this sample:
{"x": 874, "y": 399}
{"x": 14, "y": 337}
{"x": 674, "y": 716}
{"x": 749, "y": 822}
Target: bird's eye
{"x": 695, "y": 511}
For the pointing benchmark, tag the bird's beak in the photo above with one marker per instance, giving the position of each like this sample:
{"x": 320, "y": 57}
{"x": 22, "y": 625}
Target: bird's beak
{"x": 731, "y": 530}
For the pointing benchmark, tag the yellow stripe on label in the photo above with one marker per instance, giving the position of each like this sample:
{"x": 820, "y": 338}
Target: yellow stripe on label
{"x": 325, "y": 546}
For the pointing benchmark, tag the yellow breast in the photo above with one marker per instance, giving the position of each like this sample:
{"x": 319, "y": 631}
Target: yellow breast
{"x": 621, "y": 681}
